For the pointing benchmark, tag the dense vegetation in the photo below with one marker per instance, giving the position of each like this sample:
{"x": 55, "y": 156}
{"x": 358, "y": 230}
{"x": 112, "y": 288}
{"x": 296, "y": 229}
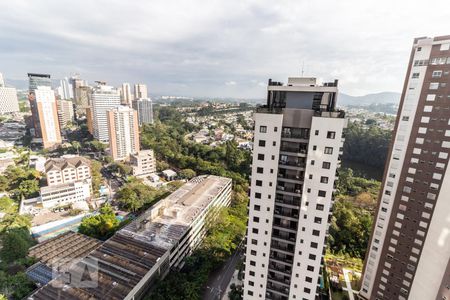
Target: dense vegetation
{"x": 367, "y": 147}
{"x": 227, "y": 231}
{"x": 102, "y": 225}
{"x": 20, "y": 182}
{"x": 352, "y": 214}
{"x": 16, "y": 240}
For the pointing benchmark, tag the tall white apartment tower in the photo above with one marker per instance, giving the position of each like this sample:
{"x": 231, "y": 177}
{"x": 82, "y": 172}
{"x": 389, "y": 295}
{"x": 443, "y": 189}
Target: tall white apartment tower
{"x": 297, "y": 146}
{"x": 123, "y": 132}
{"x": 47, "y": 113}
{"x": 144, "y": 108}
{"x": 103, "y": 98}
{"x": 140, "y": 91}
{"x": 8, "y": 98}
{"x": 409, "y": 250}
{"x": 126, "y": 95}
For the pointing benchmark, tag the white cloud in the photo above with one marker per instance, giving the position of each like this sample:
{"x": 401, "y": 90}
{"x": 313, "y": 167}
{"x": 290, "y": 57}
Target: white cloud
{"x": 193, "y": 47}
{"x": 230, "y": 82}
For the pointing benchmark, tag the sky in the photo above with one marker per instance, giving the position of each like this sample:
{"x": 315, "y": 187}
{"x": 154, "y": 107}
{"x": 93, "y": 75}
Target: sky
{"x": 218, "y": 48}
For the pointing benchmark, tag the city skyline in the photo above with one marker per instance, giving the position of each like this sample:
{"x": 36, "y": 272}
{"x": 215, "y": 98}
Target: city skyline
{"x": 215, "y": 51}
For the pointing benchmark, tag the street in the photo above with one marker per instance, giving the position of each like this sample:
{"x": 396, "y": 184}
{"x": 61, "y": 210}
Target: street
{"x": 219, "y": 280}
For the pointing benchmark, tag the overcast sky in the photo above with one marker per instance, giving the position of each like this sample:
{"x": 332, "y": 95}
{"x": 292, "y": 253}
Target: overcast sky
{"x": 218, "y": 48}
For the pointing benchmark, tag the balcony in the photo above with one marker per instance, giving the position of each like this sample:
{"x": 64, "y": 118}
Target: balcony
{"x": 285, "y": 201}
{"x": 281, "y": 258}
{"x": 280, "y": 268}
{"x": 296, "y": 150}
{"x": 296, "y": 164}
{"x": 282, "y": 246}
{"x": 287, "y": 213}
{"x": 275, "y": 295}
{"x": 279, "y": 280}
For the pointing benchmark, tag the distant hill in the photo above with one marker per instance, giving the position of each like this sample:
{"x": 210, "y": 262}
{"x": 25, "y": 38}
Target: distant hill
{"x": 377, "y": 98}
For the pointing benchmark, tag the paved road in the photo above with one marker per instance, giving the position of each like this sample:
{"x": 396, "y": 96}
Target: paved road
{"x": 348, "y": 284}
{"x": 219, "y": 280}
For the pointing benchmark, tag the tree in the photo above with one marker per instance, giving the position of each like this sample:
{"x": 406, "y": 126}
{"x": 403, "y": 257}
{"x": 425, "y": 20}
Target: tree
{"x": 161, "y": 166}
{"x": 236, "y": 292}
{"x": 29, "y": 188}
{"x": 187, "y": 173}
{"x": 102, "y": 225}
{"x": 16, "y": 242}
{"x": 76, "y": 145}
{"x": 6, "y": 204}
{"x": 97, "y": 177}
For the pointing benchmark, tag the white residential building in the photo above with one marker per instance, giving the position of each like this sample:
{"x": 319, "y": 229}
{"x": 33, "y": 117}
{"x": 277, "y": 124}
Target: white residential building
{"x": 144, "y": 108}
{"x": 126, "y": 96}
{"x": 123, "y": 132}
{"x": 103, "y": 98}
{"x": 297, "y": 145}
{"x": 8, "y": 98}
{"x": 140, "y": 91}
{"x": 65, "y": 112}
{"x": 67, "y": 169}
{"x": 143, "y": 163}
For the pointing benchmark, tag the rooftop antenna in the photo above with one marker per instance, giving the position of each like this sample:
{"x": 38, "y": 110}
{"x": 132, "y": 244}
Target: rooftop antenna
{"x": 303, "y": 67}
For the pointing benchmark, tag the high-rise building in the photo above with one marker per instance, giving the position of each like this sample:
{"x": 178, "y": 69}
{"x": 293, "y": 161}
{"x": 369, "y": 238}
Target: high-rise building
{"x": 123, "y": 132}
{"x": 65, "y": 112}
{"x": 297, "y": 147}
{"x": 35, "y": 80}
{"x": 8, "y": 98}
{"x": 140, "y": 91}
{"x": 103, "y": 98}
{"x": 46, "y": 116}
{"x": 144, "y": 107}
{"x": 83, "y": 102}
{"x": 409, "y": 250}
{"x": 65, "y": 89}
{"x": 143, "y": 163}
{"x": 125, "y": 94}
{"x": 76, "y": 82}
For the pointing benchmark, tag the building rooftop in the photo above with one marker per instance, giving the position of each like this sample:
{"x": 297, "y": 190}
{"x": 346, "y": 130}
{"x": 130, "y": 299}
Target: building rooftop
{"x": 62, "y": 163}
{"x": 130, "y": 254}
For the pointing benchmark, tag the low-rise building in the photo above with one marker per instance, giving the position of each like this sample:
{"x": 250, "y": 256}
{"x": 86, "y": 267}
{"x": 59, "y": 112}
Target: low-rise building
{"x": 67, "y": 169}
{"x": 169, "y": 174}
{"x": 143, "y": 163}
{"x": 149, "y": 247}
{"x": 66, "y": 193}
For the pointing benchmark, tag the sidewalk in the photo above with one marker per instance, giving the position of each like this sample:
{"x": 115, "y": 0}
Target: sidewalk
{"x": 235, "y": 280}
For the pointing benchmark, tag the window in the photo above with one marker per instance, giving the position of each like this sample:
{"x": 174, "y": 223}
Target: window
{"x": 256, "y": 220}
{"x": 436, "y": 74}
{"x": 274, "y": 143}
{"x": 262, "y": 143}
{"x": 314, "y": 245}
{"x": 425, "y": 120}
{"x": 322, "y": 193}
{"x": 318, "y": 220}
{"x": 260, "y": 156}
{"x": 331, "y": 134}
{"x": 275, "y": 129}
{"x": 405, "y": 118}
{"x": 431, "y": 97}
{"x": 310, "y": 268}
{"x": 319, "y": 206}
{"x": 254, "y": 242}
{"x": 434, "y": 85}
{"x": 252, "y": 263}
{"x": 258, "y": 195}
{"x": 257, "y": 207}
{"x": 256, "y": 231}
{"x": 328, "y": 150}
{"x": 316, "y": 132}
{"x": 250, "y": 293}
{"x": 263, "y": 129}
{"x": 251, "y": 283}
{"x": 258, "y": 182}
{"x": 259, "y": 170}
{"x": 324, "y": 179}
{"x": 415, "y": 75}
{"x": 312, "y": 257}
{"x": 326, "y": 165}
{"x": 315, "y": 232}
{"x": 253, "y": 252}
{"x": 445, "y": 47}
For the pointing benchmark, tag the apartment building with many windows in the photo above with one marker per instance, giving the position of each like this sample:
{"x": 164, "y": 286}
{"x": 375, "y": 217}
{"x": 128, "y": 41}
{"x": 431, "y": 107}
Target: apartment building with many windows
{"x": 409, "y": 249}
{"x": 297, "y": 146}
